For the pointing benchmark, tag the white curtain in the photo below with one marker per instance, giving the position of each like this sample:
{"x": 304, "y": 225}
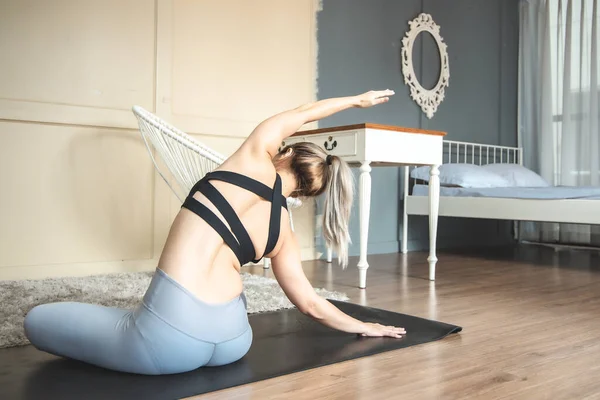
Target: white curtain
{"x": 559, "y": 104}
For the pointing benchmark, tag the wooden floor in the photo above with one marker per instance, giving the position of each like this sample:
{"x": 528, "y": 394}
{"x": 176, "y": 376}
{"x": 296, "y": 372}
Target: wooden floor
{"x": 530, "y": 318}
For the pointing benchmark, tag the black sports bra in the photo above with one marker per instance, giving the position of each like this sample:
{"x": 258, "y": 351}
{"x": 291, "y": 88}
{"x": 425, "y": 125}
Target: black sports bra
{"x": 240, "y": 244}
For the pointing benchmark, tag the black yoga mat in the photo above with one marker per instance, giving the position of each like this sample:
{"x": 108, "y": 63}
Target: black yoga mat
{"x": 284, "y": 342}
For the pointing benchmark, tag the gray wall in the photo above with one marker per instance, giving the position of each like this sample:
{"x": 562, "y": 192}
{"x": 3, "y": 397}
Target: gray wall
{"x": 359, "y": 50}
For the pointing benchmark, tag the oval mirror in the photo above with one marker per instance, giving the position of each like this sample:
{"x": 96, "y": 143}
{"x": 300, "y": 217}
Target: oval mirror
{"x": 427, "y": 99}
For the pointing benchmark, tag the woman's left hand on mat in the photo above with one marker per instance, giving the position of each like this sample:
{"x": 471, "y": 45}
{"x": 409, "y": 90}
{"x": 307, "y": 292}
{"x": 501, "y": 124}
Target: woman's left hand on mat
{"x": 378, "y": 330}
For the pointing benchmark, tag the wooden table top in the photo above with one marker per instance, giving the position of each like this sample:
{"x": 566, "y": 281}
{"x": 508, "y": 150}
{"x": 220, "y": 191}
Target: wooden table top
{"x": 370, "y": 126}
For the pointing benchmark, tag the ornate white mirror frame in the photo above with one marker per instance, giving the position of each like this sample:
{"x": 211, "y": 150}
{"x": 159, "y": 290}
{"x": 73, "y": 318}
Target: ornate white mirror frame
{"x": 428, "y": 99}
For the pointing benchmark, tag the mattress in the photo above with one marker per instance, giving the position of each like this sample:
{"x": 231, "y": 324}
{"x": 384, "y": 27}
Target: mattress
{"x": 538, "y": 193}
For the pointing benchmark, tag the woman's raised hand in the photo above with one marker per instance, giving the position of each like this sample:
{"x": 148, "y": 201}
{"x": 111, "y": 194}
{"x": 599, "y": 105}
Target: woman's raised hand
{"x": 374, "y": 97}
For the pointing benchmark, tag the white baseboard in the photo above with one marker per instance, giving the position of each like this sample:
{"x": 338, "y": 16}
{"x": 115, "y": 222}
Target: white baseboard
{"x": 75, "y": 269}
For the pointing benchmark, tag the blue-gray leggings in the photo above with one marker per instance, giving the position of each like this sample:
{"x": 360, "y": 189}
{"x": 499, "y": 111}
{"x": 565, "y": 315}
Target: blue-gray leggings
{"x": 171, "y": 331}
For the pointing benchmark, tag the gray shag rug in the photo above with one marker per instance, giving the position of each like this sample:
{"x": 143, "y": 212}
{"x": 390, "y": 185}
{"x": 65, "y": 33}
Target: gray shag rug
{"x": 122, "y": 290}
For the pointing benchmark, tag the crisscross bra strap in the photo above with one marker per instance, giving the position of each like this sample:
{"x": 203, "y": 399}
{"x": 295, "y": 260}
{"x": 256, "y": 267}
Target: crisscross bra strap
{"x": 240, "y": 244}
{"x": 275, "y": 220}
{"x": 215, "y": 197}
{"x": 211, "y": 219}
{"x": 252, "y": 185}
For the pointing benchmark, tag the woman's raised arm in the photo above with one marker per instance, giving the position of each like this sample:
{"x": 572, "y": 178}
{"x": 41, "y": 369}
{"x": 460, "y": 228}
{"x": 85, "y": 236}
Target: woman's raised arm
{"x": 269, "y": 134}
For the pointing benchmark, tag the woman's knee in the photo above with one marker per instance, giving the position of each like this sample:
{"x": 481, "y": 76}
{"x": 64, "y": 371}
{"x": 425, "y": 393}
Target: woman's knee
{"x": 35, "y": 321}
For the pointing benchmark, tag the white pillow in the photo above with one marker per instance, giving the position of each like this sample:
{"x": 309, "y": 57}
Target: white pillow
{"x": 463, "y": 175}
{"x": 517, "y": 175}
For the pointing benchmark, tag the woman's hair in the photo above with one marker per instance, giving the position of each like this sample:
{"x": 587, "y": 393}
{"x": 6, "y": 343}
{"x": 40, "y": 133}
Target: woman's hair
{"x": 316, "y": 172}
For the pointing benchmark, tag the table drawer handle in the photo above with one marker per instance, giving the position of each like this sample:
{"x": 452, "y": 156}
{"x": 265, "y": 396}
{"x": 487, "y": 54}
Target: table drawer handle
{"x": 333, "y": 145}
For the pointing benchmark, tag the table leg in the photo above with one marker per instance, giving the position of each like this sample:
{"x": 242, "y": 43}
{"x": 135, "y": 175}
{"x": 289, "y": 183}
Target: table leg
{"x": 329, "y": 254}
{"x": 364, "y": 211}
{"x": 434, "y": 208}
{"x": 404, "y": 214}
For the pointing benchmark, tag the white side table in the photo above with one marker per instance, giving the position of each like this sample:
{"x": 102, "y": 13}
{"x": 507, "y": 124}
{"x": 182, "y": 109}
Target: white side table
{"x": 370, "y": 145}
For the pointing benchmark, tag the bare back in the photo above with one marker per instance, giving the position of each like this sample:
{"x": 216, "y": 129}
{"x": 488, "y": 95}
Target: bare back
{"x": 195, "y": 254}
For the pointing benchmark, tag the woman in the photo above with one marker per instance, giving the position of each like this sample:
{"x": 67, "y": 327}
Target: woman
{"x": 194, "y": 312}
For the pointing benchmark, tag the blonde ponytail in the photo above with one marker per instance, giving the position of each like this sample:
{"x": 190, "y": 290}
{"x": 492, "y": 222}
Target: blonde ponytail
{"x": 317, "y": 173}
{"x": 339, "y": 193}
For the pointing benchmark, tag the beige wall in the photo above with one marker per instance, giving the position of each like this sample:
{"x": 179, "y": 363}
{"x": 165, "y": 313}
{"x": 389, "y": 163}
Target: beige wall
{"x": 79, "y": 193}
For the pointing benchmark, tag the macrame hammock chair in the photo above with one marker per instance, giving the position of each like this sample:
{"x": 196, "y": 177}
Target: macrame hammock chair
{"x": 187, "y": 159}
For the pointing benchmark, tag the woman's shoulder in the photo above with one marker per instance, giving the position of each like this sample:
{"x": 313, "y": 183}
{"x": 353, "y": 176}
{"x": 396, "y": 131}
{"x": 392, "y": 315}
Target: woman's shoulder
{"x": 251, "y": 164}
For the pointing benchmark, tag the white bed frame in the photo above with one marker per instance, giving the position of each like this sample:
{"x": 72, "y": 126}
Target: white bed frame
{"x": 577, "y": 211}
